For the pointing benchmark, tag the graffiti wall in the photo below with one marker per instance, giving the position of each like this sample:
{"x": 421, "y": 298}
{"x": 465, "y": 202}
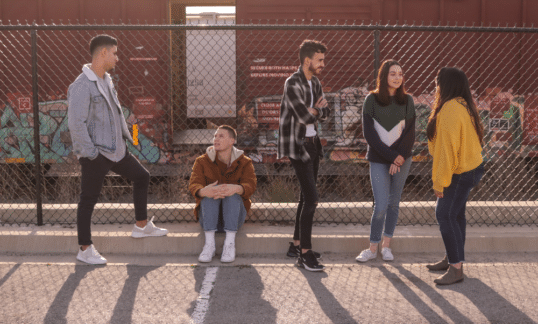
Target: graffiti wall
{"x": 510, "y": 121}
{"x": 17, "y": 134}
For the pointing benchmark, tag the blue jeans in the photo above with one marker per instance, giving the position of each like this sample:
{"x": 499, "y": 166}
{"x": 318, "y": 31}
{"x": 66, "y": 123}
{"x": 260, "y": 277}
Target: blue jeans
{"x": 450, "y": 212}
{"x": 233, "y": 213}
{"x": 387, "y": 193}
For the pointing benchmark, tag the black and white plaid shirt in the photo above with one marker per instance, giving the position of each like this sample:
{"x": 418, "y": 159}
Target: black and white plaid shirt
{"x": 294, "y": 115}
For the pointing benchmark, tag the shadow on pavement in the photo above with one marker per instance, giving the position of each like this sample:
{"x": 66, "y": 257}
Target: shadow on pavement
{"x": 489, "y": 302}
{"x": 10, "y": 272}
{"x": 237, "y": 297}
{"x": 58, "y": 309}
{"x": 123, "y": 311}
{"x": 328, "y": 303}
{"x": 422, "y": 307}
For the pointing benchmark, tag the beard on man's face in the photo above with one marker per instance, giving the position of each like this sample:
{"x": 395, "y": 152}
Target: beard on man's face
{"x": 313, "y": 70}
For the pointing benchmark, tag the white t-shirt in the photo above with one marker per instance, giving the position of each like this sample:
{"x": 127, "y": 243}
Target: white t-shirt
{"x": 310, "y": 128}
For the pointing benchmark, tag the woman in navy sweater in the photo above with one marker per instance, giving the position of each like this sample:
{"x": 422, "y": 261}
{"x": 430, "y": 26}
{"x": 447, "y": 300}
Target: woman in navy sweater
{"x": 388, "y": 118}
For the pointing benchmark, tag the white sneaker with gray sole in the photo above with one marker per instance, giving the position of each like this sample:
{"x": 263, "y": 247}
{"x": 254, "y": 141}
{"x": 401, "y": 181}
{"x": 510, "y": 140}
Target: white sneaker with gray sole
{"x": 90, "y": 255}
{"x": 149, "y": 230}
{"x": 386, "y": 253}
{"x": 366, "y": 255}
{"x": 207, "y": 253}
{"x": 228, "y": 252}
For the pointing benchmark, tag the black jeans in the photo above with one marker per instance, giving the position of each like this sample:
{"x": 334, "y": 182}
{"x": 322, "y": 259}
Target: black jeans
{"x": 93, "y": 175}
{"x": 450, "y": 212}
{"x": 307, "y": 173}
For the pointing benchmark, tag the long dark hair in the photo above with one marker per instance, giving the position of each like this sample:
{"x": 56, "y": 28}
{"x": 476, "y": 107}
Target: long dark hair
{"x": 453, "y": 83}
{"x": 381, "y": 91}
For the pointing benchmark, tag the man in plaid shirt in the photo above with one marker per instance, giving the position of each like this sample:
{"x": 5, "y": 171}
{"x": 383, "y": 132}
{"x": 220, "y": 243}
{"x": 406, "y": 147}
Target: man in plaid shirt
{"x": 301, "y": 108}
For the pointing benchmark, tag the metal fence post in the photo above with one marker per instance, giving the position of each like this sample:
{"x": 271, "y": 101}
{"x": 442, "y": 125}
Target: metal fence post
{"x": 37, "y": 153}
{"x": 376, "y": 53}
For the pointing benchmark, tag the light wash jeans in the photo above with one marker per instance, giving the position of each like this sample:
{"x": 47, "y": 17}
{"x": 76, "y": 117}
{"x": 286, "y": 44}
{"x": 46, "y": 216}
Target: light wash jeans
{"x": 387, "y": 193}
{"x": 233, "y": 213}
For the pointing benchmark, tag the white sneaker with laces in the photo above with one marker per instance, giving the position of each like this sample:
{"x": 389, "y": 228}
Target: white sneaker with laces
{"x": 228, "y": 252}
{"x": 207, "y": 253}
{"x": 366, "y": 255}
{"x": 90, "y": 255}
{"x": 149, "y": 230}
{"x": 387, "y": 254}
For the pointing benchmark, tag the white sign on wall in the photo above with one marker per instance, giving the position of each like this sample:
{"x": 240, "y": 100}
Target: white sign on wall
{"x": 211, "y": 69}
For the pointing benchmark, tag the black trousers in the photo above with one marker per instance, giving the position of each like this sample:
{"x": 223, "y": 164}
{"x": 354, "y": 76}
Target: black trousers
{"x": 307, "y": 173}
{"x": 93, "y": 175}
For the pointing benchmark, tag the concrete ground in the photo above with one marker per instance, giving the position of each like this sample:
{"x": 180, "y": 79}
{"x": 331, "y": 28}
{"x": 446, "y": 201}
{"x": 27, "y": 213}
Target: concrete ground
{"x": 159, "y": 280}
{"x": 498, "y": 288}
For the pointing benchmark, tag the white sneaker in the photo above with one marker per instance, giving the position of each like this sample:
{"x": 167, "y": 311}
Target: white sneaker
{"x": 207, "y": 253}
{"x": 387, "y": 254}
{"x": 90, "y": 255}
{"x": 228, "y": 253}
{"x": 149, "y": 230}
{"x": 366, "y": 255}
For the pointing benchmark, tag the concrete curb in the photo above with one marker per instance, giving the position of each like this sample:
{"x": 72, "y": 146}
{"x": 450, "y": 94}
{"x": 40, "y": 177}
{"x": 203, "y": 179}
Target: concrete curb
{"x": 187, "y": 239}
{"x": 417, "y": 212}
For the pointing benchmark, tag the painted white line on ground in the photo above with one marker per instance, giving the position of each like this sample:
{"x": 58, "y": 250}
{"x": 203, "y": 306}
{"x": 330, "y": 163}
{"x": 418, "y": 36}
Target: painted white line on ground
{"x": 202, "y": 304}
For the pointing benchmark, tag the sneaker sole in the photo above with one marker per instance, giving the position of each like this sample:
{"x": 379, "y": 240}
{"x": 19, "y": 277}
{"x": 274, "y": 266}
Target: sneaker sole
{"x": 302, "y": 265}
{"x": 227, "y": 261}
{"x": 204, "y": 261}
{"x": 87, "y": 262}
{"x": 296, "y": 256}
{"x": 310, "y": 269}
{"x": 358, "y": 260}
{"x": 141, "y": 235}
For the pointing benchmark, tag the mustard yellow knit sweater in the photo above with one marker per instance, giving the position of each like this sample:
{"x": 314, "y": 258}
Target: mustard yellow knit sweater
{"x": 456, "y": 147}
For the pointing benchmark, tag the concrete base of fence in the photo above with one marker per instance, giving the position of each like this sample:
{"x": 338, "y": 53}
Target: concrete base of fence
{"x": 411, "y": 213}
{"x": 188, "y": 239}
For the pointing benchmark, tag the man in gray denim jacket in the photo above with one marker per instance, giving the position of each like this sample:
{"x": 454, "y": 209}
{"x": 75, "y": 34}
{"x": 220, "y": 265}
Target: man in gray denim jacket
{"x": 99, "y": 131}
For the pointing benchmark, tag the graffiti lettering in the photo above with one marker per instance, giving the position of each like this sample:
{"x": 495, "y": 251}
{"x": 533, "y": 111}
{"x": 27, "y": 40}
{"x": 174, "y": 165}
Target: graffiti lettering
{"x": 17, "y": 136}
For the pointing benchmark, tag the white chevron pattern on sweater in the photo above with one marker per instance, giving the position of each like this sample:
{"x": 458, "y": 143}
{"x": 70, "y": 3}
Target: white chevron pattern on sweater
{"x": 389, "y": 137}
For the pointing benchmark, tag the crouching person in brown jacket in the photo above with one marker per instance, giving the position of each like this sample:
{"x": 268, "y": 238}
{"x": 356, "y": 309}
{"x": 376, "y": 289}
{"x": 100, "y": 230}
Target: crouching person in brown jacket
{"x": 223, "y": 176}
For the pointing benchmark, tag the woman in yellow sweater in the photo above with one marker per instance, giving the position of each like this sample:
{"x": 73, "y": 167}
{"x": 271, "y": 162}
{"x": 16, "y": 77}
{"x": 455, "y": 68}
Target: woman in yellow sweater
{"x": 455, "y": 134}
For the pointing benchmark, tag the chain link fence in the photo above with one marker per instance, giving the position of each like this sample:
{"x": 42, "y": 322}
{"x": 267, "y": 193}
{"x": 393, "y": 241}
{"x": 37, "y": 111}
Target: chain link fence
{"x": 177, "y": 83}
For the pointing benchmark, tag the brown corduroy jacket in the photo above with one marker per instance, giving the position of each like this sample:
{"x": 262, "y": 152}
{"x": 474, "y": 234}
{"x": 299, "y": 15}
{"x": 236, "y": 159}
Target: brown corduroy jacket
{"x": 206, "y": 171}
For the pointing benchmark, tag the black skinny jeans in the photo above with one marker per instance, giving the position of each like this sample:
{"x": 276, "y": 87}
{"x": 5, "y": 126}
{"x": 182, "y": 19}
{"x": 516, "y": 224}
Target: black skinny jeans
{"x": 93, "y": 175}
{"x": 307, "y": 173}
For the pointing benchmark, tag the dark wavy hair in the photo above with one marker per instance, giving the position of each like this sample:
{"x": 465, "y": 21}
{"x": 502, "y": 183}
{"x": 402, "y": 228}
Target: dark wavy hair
{"x": 310, "y": 47}
{"x": 453, "y": 83}
{"x": 381, "y": 91}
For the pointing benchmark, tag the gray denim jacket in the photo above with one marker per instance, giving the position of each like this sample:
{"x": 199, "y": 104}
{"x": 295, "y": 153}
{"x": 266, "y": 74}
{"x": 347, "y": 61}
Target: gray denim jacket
{"x": 90, "y": 118}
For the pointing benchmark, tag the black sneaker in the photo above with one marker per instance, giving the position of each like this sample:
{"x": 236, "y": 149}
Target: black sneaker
{"x": 309, "y": 262}
{"x": 295, "y": 250}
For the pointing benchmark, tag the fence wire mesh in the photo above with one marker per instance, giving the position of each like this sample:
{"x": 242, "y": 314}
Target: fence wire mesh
{"x": 177, "y": 83}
